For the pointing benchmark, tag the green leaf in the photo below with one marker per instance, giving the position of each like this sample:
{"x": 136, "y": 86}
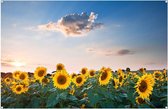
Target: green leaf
{"x": 63, "y": 95}
{"x": 35, "y": 102}
{"x": 52, "y": 100}
{"x": 93, "y": 98}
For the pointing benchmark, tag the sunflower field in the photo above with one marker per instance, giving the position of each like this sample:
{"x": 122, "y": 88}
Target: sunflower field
{"x": 88, "y": 89}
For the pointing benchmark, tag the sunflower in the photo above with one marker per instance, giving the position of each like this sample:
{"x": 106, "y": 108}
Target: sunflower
{"x": 91, "y": 73}
{"x": 120, "y": 72}
{"x": 157, "y": 75}
{"x": 40, "y": 72}
{"x": 140, "y": 100}
{"x": 105, "y": 77}
{"x": 79, "y": 80}
{"x": 23, "y": 76}
{"x": 18, "y": 89}
{"x": 7, "y": 80}
{"x": 16, "y": 74}
{"x": 144, "y": 86}
{"x": 73, "y": 75}
{"x": 44, "y": 81}
{"x": 84, "y": 72}
{"x": 164, "y": 72}
{"x": 115, "y": 82}
{"x": 121, "y": 79}
{"x": 60, "y": 67}
{"x": 72, "y": 91}
{"x": 61, "y": 80}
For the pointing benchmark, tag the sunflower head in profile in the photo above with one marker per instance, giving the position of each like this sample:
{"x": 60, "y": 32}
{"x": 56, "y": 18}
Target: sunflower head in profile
{"x": 7, "y": 80}
{"x": 140, "y": 100}
{"x": 18, "y": 89}
{"x": 91, "y": 73}
{"x": 73, "y": 75}
{"x": 23, "y": 76}
{"x": 121, "y": 79}
{"x": 61, "y": 80}
{"x": 79, "y": 80}
{"x": 72, "y": 91}
{"x": 84, "y": 72}
{"x": 105, "y": 77}
{"x": 120, "y": 72}
{"x": 165, "y": 72}
{"x": 16, "y": 74}
{"x": 44, "y": 81}
{"x": 40, "y": 72}
{"x": 115, "y": 82}
{"x": 144, "y": 86}
{"x": 157, "y": 75}
{"x": 60, "y": 67}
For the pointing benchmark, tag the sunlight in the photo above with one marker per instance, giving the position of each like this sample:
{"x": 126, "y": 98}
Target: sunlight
{"x": 18, "y": 64}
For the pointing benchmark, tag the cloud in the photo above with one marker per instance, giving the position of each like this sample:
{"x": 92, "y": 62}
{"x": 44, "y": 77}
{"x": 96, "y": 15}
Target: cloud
{"x": 73, "y": 25}
{"x": 11, "y": 63}
{"x": 6, "y": 63}
{"x": 125, "y": 52}
{"x": 110, "y": 52}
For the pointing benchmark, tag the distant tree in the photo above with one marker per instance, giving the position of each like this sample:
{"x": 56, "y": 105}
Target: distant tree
{"x": 123, "y": 70}
{"x": 128, "y": 69}
{"x": 145, "y": 69}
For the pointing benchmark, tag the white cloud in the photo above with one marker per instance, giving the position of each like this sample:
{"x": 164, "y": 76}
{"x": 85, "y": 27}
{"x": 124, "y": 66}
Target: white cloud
{"x": 73, "y": 25}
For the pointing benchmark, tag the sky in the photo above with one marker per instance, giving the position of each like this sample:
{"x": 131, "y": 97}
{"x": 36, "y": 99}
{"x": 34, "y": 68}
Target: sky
{"x": 83, "y": 34}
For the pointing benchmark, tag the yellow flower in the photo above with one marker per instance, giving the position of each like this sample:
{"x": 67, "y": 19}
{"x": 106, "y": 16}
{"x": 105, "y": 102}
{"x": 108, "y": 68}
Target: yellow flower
{"x": 72, "y": 91}
{"x": 16, "y": 74}
{"x": 73, "y": 75}
{"x": 60, "y": 67}
{"x": 115, "y": 82}
{"x": 140, "y": 100}
{"x": 84, "y": 72}
{"x": 61, "y": 80}
{"x": 7, "y": 80}
{"x": 91, "y": 73}
{"x": 120, "y": 72}
{"x": 18, "y": 89}
{"x": 85, "y": 95}
{"x": 23, "y": 77}
{"x": 44, "y": 81}
{"x": 105, "y": 77}
{"x": 40, "y": 72}
{"x": 144, "y": 86}
{"x": 79, "y": 80}
{"x": 157, "y": 75}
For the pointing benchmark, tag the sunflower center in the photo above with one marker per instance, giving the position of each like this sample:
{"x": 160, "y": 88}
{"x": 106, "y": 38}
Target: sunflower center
{"x": 83, "y": 71}
{"x": 16, "y": 74}
{"x": 40, "y": 73}
{"x": 73, "y": 75}
{"x": 44, "y": 80}
{"x": 79, "y": 80}
{"x": 91, "y": 73}
{"x": 157, "y": 75}
{"x": 22, "y": 77}
{"x": 120, "y": 78}
{"x": 18, "y": 89}
{"x": 141, "y": 101}
{"x": 104, "y": 76}
{"x": 61, "y": 79}
{"x": 143, "y": 86}
{"x": 59, "y": 67}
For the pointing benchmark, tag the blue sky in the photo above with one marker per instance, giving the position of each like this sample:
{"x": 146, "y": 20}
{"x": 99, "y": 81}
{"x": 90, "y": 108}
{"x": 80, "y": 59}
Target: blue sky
{"x": 124, "y": 34}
